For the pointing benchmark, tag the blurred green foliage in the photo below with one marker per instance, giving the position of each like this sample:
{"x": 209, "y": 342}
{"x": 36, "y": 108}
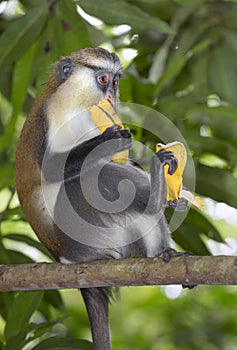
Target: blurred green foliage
{"x": 183, "y": 64}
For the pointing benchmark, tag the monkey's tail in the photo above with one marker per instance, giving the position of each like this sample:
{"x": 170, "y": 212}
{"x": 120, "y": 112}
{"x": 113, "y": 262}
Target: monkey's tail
{"x": 97, "y": 302}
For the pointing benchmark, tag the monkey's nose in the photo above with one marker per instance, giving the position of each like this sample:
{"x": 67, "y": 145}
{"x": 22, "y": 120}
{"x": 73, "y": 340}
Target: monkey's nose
{"x": 109, "y": 96}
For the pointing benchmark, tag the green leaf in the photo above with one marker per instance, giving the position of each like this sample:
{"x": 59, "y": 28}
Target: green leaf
{"x": 4, "y": 257}
{"x": 20, "y": 34}
{"x": 56, "y": 343}
{"x": 21, "y": 78}
{"x": 222, "y": 120}
{"x": 216, "y": 183}
{"x": 198, "y": 75}
{"x": 176, "y": 107}
{"x": 14, "y": 214}
{"x": 6, "y": 300}
{"x": 17, "y": 257}
{"x": 24, "y": 305}
{"x": 54, "y": 298}
{"x": 29, "y": 333}
{"x": 185, "y": 41}
{"x": 188, "y": 2}
{"x": 6, "y": 172}
{"x": 72, "y": 25}
{"x": 231, "y": 37}
{"x": 188, "y": 38}
{"x": 176, "y": 65}
{"x": 31, "y": 242}
{"x": 118, "y": 11}
{"x": 39, "y": 329}
{"x": 5, "y": 81}
{"x": 19, "y": 227}
{"x": 188, "y": 237}
{"x": 125, "y": 86}
{"x": 173, "y": 69}
{"x": 203, "y": 225}
{"x": 133, "y": 91}
{"x": 148, "y": 1}
{"x": 222, "y": 72}
{"x": 31, "y": 4}
{"x": 51, "y": 298}
{"x": 214, "y": 145}
{"x": 50, "y": 49}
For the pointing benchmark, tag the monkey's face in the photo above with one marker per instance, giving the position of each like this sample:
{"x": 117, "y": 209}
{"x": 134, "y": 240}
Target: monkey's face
{"x": 87, "y": 76}
{"x": 81, "y": 80}
{"x": 86, "y": 87}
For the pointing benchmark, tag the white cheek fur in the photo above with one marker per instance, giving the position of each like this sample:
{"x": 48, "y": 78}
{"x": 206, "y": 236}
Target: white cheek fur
{"x": 69, "y": 119}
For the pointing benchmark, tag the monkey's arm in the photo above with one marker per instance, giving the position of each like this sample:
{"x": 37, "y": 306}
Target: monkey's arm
{"x": 65, "y": 166}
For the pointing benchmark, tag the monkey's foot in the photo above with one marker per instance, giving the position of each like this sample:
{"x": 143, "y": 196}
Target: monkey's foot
{"x": 169, "y": 253}
{"x": 167, "y": 157}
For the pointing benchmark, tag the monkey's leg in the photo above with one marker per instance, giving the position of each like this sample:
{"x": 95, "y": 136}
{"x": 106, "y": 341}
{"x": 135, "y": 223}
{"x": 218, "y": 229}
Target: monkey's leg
{"x": 72, "y": 160}
{"x": 96, "y": 300}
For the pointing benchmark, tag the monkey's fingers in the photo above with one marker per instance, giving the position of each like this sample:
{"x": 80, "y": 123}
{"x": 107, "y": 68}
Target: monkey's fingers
{"x": 113, "y": 132}
{"x": 173, "y": 164}
{"x": 125, "y": 133}
{"x": 116, "y": 132}
{"x": 168, "y": 158}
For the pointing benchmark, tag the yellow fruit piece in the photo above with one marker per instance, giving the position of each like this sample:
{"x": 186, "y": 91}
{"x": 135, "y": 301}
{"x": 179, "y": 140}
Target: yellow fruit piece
{"x": 104, "y": 116}
{"x": 175, "y": 181}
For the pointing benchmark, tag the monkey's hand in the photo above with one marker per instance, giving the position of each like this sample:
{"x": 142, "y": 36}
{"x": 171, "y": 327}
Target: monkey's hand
{"x": 122, "y": 138}
{"x": 161, "y": 163}
{"x": 169, "y": 159}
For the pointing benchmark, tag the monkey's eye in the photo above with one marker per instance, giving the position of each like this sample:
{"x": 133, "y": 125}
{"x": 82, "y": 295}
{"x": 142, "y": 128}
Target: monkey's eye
{"x": 115, "y": 83}
{"x": 103, "y": 79}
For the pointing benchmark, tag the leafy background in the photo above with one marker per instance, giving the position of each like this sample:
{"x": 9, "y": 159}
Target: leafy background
{"x": 180, "y": 59}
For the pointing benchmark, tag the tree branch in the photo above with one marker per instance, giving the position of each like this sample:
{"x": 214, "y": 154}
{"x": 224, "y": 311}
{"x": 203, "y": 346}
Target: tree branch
{"x": 123, "y": 272}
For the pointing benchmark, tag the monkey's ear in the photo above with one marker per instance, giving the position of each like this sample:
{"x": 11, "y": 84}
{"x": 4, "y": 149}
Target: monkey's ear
{"x": 64, "y": 69}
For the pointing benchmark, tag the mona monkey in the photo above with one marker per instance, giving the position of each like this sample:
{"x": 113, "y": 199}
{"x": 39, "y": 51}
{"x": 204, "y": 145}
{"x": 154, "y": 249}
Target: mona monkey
{"x": 58, "y": 154}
